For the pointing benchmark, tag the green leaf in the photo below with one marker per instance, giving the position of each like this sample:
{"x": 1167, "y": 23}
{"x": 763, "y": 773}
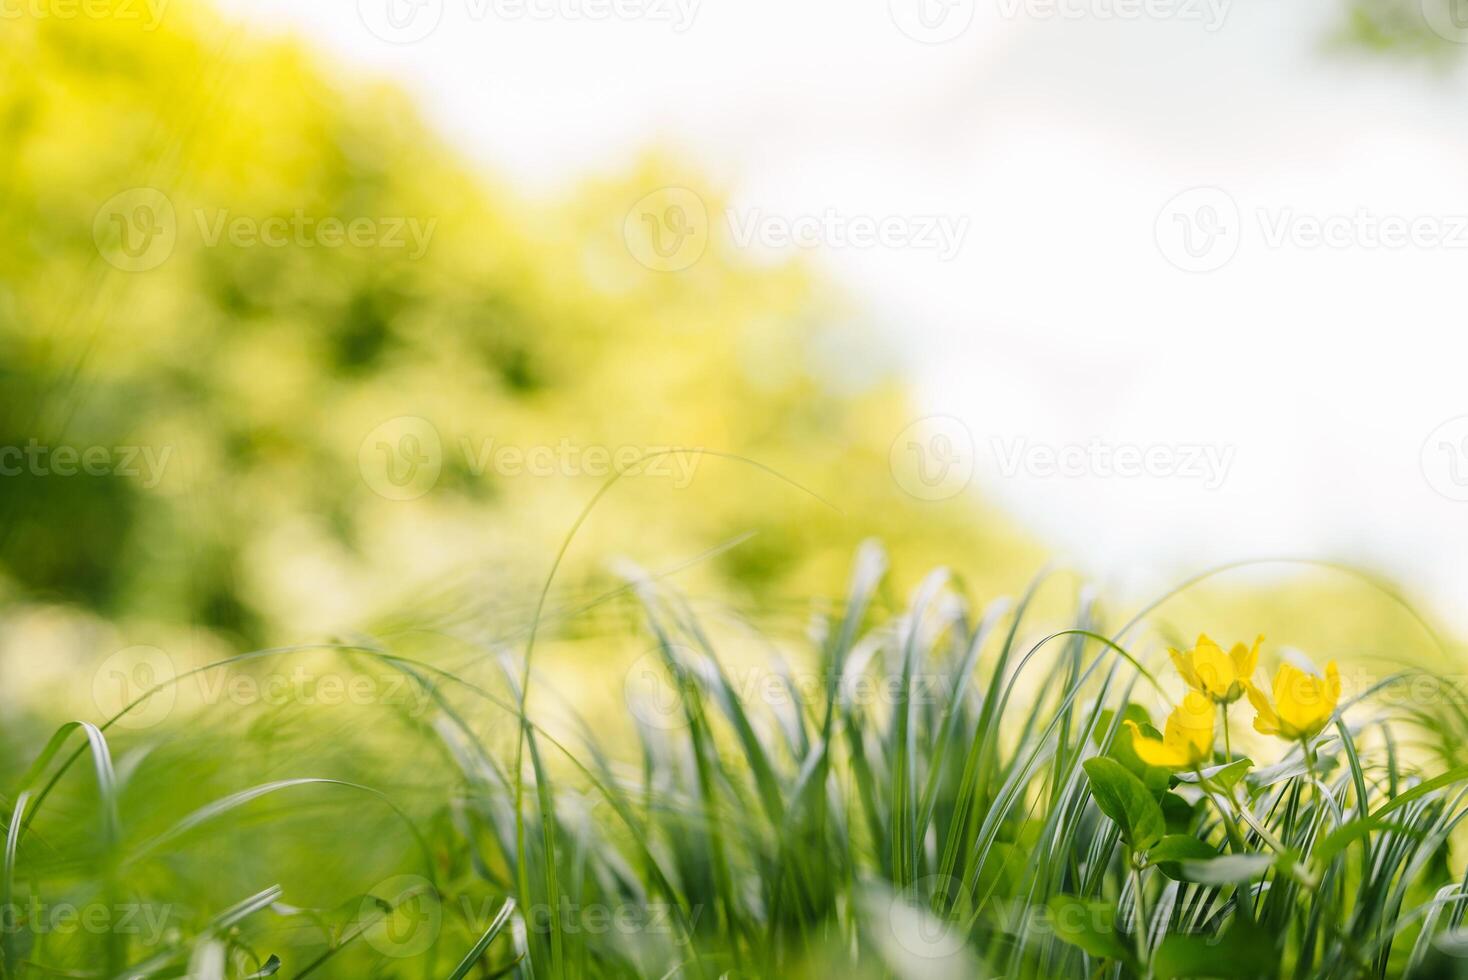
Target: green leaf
{"x": 1121, "y": 746}
{"x": 1227, "y": 870}
{"x": 1181, "y": 847}
{"x": 1174, "y": 849}
{"x": 1089, "y": 925}
{"x": 1157, "y": 780}
{"x": 1227, "y": 777}
{"x": 1132, "y": 712}
{"x": 1224, "y": 777}
{"x": 1127, "y": 801}
{"x": 1178, "y": 813}
{"x": 1243, "y": 952}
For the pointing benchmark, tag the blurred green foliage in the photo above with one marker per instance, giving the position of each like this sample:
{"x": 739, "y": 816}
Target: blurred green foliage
{"x": 254, "y": 374}
{"x": 242, "y": 388}
{"x": 1432, "y": 31}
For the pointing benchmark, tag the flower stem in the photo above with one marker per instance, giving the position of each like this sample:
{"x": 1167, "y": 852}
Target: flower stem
{"x": 1141, "y": 902}
{"x": 1235, "y": 838}
{"x": 1310, "y": 760}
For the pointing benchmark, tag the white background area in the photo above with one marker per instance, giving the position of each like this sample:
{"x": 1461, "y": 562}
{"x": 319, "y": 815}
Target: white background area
{"x": 1322, "y": 371}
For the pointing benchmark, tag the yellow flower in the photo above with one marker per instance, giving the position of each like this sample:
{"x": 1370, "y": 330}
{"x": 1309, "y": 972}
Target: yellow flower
{"x": 1208, "y": 670}
{"x": 1186, "y": 742}
{"x": 1303, "y": 703}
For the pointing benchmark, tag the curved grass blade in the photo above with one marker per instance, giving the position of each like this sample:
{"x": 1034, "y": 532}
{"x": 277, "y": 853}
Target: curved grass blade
{"x": 500, "y": 921}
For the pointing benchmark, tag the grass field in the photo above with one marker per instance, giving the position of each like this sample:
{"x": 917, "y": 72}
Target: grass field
{"x": 947, "y": 791}
{"x": 285, "y": 361}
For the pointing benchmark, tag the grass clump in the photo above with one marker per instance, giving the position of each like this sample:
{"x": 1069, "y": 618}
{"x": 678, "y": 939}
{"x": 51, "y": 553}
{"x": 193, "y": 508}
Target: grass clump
{"x": 935, "y": 790}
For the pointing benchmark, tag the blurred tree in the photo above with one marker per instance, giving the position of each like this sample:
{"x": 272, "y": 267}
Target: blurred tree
{"x": 1436, "y": 30}
{"x": 247, "y": 269}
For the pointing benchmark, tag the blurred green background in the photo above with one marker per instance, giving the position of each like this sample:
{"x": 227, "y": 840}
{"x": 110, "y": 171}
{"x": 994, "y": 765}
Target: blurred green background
{"x": 251, "y": 375}
{"x": 253, "y": 407}
{"x": 171, "y": 301}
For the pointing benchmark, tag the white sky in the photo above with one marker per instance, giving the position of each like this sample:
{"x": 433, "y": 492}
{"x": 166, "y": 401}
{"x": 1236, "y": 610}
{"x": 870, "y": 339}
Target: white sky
{"x": 1321, "y": 370}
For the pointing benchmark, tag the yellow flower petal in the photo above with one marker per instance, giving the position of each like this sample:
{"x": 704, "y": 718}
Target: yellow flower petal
{"x": 1294, "y": 698}
{"x": 1151, "y": 750}
{"x": 1154, "y": 753}
{"x": 1187, "y": 740}
{"x": 1245, "y": 659}
{"x": 1303, "y": 702}
{"x": 1190, "y": 728}
{"x": 1215, "y": 670}
{"x": 1266, "y": 722}
{"x": 1183, "y": 662}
